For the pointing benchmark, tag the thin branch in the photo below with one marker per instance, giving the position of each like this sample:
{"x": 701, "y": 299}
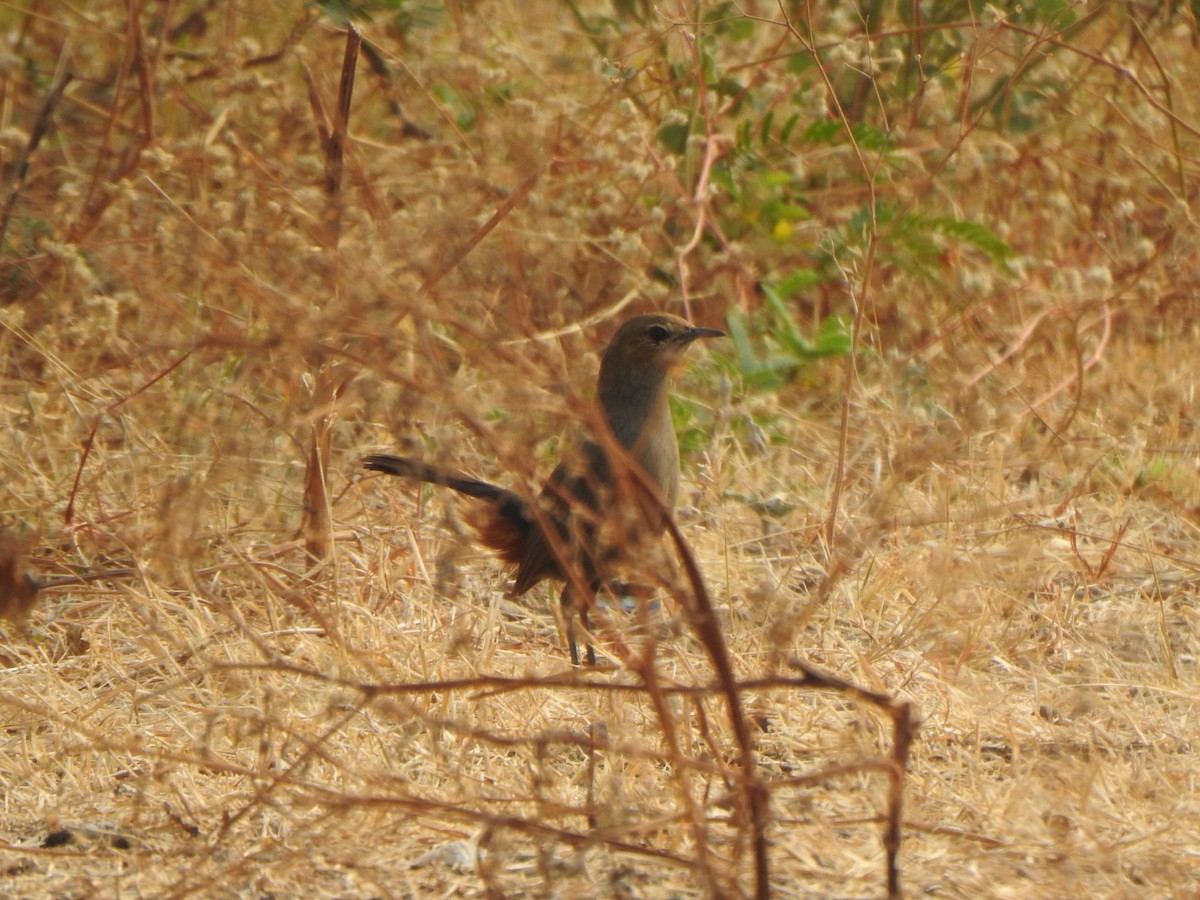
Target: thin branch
{"x": 21, "y": 168}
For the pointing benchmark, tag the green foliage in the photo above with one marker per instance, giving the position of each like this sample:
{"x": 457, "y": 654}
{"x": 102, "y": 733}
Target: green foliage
{"x": 725, "y": 20}
{"x": 917, "y": 244}
{"x": 833, "y": 132}
{"x": 1154, "y": 470}
{"x": 975, "y": 235}
{"x": 674, "y": 136}
{"x": 769, "y": 348}
{"x": 693, "y": 424}
{"x": 405, "y": 15}
{"x": 788, "y": 165}
{"x": 461, "y": 105}
{"x": 501, "y": 92}
{"x": 345, "y": 11}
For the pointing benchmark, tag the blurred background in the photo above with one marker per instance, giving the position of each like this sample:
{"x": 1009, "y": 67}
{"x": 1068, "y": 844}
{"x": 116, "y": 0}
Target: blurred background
{"x": 947, "y": 452}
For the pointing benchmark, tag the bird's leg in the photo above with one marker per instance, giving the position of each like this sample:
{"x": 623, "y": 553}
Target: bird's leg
{"x": 587, "y": 628}
{"x": 584, "y": 608}
{"x": 568, "y": 613}
{"x": 572, "y": 610}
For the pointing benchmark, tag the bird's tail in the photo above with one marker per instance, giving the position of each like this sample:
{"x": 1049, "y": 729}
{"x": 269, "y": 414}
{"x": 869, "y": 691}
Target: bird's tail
{"x": 419, "y": 471}
{"x": 505, "y": 530}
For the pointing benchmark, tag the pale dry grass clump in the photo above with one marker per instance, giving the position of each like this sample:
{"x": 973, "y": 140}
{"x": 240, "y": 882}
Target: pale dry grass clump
{"x": 1001, "y": 531}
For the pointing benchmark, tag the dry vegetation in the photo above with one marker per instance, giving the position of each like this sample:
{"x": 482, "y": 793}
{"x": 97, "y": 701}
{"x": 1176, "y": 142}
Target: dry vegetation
{"x": 1002, "y": 528}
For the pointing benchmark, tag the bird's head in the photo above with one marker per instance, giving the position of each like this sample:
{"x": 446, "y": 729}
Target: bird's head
{"x": 650, "y": 344}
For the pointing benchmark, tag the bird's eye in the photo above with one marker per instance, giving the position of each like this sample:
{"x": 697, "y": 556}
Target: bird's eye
{"x": 658, "y": 333}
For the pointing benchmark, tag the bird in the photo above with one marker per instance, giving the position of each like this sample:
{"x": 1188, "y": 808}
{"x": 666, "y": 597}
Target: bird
{"x": 561, "y": 537}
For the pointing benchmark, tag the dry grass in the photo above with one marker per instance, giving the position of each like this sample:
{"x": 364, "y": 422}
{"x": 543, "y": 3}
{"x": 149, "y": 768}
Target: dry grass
{"x": 192, "y": 709}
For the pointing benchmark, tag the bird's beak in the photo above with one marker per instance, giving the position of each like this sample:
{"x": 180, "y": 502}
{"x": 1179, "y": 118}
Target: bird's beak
{"x": 697, "y": 333}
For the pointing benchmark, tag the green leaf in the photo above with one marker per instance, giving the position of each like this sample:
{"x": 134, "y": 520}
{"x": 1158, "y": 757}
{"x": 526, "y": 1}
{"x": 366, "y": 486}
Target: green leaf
{"x": 739, "y": 336}
{"x": 731, "y": 87}
{"x": 799, "y": 63}
{"x": 823, "y": 131}
{"x": 344, "y": 11}
{"x": 741, "y": 29}
{"x": 978, "y": 236}
{"x": 461, "y": 106}
{"x": 787, "y": 127}
{"x": 834, "y": 337}
{"x": 773, "y": 178}
{"x": 787, "y": 212}
{"x": 800, "y": 280}
{"x": 868, "y": 136}
{"x": 785, "y": 351}
{"x": 674, "y": 137}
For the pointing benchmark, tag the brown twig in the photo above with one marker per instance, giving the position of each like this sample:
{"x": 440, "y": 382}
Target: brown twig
{"x": 903, "y": 732}
{"x": 69, "y": 515}
{"x": 454, "y": 259}
{"x": 332, "y": 135}
{"x": 21, "y": 167}
{"x": 317, "y": 526}
{"x": 100, "y": 194}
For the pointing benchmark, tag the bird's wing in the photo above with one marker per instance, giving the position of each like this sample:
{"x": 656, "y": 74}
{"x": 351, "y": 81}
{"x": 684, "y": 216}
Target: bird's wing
{"x": 568, "y": 504}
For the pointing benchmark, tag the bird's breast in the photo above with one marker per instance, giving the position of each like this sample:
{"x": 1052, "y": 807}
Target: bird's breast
{"x": 657, "y": 451}
{"x": 662, "y": 465}
{"x": 639, "y": 414}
